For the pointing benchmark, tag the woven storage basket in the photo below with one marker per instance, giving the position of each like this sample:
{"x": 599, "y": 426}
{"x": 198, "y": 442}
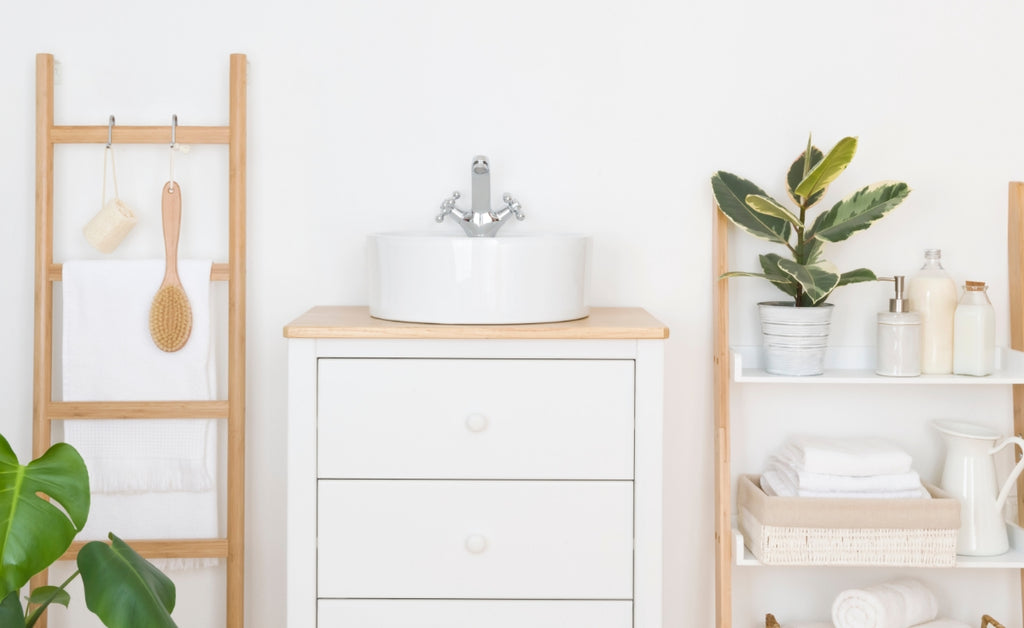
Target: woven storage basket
{"x": 827, "y": 531}
{"x": 986, "y": 622}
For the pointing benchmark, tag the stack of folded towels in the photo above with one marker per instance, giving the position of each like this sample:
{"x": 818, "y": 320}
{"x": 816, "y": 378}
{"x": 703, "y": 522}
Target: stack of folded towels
{"x": 902, "y": 603}
{"x": 812, "y": 466}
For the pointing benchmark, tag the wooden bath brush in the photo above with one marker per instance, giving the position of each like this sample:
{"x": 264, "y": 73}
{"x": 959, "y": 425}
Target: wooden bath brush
{"x": 170, "y": 315}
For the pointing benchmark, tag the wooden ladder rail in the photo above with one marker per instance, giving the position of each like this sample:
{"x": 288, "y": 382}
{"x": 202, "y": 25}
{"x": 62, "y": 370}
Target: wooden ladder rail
{"x": 723, "y": 471}
{"x": 1015, "y": 277}
{"x": 45, "y": 410}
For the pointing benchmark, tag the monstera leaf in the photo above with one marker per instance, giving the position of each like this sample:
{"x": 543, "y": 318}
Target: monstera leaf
{"x": 35, "y": 532}
{"x": 122, "y": 588}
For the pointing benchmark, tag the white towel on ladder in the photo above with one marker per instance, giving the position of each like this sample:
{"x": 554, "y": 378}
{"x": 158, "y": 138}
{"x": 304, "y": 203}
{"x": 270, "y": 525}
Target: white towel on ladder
{"x": 150, "y": 478}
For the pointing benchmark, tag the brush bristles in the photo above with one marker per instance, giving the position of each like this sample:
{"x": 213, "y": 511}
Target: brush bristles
{"x": 170, "y": 318}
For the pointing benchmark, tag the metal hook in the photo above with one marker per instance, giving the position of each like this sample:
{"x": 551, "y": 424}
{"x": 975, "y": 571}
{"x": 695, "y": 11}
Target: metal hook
{"x": 110, "y": 132}
{"x": 174, "y": 128}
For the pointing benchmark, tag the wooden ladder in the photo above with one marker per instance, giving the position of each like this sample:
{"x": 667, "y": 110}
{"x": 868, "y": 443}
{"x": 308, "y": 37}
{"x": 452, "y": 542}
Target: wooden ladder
{"x": 45, "y": 409}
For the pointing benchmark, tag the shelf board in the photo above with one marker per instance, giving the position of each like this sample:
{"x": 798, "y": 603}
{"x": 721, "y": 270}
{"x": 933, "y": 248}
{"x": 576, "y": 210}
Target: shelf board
{"x": 855, "y": 365}
{"x": 1013, "y": 559}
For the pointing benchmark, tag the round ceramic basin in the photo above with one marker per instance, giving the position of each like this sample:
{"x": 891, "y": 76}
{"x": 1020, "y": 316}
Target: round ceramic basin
{"x": 454, "y": 279}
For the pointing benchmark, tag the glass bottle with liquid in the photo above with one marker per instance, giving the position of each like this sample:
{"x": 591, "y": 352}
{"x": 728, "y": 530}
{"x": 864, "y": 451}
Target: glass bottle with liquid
{"x": 974, "y": 333}
{"x": 933, "y": 295}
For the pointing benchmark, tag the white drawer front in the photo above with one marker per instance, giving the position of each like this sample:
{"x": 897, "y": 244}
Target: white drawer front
{"x": 473, "y": 614}
{"x": 466, "y": 539}
{"x": 475, "y": 419}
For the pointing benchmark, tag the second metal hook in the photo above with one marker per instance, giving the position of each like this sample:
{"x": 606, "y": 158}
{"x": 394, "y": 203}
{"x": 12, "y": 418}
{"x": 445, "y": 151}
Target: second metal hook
{"x": 110, "y": 131}
{"x": 174, "y": 128}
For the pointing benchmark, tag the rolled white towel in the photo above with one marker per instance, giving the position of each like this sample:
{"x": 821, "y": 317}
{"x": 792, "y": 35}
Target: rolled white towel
{"x": 846, "y": 456}
{"x": 943, "y": 623}
{"x": 896, "y": 604}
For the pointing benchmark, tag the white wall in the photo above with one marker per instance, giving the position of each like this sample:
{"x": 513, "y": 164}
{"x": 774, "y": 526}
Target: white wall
{"x": 604, "y": 117}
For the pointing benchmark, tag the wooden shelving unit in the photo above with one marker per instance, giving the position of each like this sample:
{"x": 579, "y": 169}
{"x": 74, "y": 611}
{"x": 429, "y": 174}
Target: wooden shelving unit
{"x": 846, "y": 366}
{"x": 46, "y": 410}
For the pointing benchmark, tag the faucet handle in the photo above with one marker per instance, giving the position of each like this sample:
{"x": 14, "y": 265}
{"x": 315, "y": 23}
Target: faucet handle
{"x": 447, "y": 205}
{"x": 513, "y": 206}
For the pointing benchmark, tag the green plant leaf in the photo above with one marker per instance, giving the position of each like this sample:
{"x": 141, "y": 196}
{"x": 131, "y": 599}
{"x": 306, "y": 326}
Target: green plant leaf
{"x": 49, "y": 595}
{"x": 830, "y": 167}
{"x": 796, "y": 174}
{"x": 35, "y": 532}
{"x": 730, "y": 192}
{"x": 817, "y": 280}
{"x": 858, "y": 211}
{"x": 11, "y": 614}
{"x": 774, "y": 274}
{"x": 123, "y": 589}
{"x": 769, "y": 206}
{"x": 856, "y": 276}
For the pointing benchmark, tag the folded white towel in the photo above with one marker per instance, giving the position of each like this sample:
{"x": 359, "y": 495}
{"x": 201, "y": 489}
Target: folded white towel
{"x": 943, "y": 623}
{"x": 108, "y": 355}
{"x": 845, "y": 456}
{"x": 896, "y": 604}
{"x": 777, "y": 483}
{"x": 810, "y": 481}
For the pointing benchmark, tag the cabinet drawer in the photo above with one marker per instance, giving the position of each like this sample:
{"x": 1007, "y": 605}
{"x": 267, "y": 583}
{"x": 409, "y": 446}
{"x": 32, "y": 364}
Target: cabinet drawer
{"x": 469, "y": 539}
{"x": 475, "y": 419}
{"x": 473, "y": 614}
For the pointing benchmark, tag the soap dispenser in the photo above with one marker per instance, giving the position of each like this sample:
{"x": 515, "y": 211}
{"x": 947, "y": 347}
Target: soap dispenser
{"x": 899, "y": 335}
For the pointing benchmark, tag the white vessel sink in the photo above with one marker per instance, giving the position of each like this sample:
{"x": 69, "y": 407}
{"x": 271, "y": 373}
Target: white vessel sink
{"x": 455, "y": 279}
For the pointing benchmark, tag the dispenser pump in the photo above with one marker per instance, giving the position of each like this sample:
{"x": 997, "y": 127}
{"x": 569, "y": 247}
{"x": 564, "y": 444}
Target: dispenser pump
{"x": 900, "y": 303}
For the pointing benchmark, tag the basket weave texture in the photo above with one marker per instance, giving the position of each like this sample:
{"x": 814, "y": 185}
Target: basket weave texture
{"x": 826, "y": 531}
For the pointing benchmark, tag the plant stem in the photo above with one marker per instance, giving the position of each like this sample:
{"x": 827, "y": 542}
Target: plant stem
{"x": 41, "y": 608}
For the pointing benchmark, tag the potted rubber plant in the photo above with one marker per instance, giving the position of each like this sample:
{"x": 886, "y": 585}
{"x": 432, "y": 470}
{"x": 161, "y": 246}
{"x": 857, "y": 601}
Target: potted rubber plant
{"x": 121, "y": 588}
{"x": 796, "y": 330}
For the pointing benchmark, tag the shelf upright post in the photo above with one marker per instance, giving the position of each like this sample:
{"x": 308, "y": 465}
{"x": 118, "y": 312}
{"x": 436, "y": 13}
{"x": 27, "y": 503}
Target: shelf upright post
{"x": 723, "y": 471}
{"x": 1015, "y": 259}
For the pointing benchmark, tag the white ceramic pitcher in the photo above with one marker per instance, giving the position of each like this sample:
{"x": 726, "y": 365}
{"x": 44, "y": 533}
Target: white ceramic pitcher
{"x": 969, "y": 474}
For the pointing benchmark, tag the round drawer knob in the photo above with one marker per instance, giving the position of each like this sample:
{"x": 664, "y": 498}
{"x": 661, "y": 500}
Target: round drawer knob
{"x": 476, "y": 544}
{"x": 476, "y": 422}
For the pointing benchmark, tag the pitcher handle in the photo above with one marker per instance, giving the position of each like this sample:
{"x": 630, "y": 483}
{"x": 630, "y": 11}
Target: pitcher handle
{"x": 1005, "y": 491}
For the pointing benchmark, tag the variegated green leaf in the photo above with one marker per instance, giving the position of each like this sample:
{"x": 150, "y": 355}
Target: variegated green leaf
{"x": 797, "y": 173}
{"x": 817, "y": 280}
{"x": 830, "y": 167}
{"x": 856, "y": 276}
{"x": 730, "y": 192}
{"x": 774, "y": 274}
{"x": 768, "y": 205}
{"x": 858, "y": 211}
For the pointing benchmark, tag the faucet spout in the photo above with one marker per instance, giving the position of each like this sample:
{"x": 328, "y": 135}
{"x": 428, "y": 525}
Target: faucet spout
{"x": 481, "y": 220}
{"x": 481, "y": 185}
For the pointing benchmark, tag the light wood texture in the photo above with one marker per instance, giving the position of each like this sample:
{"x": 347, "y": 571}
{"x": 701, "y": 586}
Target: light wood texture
{"x": 723, "y": 477}
{"x": 1015, "y": 259}
{"x": 141, "y": 134}
{"x": 62, "y": 410}
{"x": 219, "y": 272}
{"x": 47, "y": 272}
{"x": 604, "y": 323}
{"x": 166, "y": 548}
{"x": 236, "y": 345}
{"x": 43, "y": 339}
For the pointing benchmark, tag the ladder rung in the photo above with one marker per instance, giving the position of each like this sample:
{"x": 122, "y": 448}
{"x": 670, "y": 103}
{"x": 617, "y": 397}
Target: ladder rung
{"x": 63, "y": 410}
{"x": 140, "y": 134}
{"x": 167, "y": 548}
{"x": 219, "y": 272}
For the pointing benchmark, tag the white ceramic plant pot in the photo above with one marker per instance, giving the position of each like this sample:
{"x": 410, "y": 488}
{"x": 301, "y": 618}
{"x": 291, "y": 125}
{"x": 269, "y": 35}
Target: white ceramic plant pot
{"x": 795, "y": 338}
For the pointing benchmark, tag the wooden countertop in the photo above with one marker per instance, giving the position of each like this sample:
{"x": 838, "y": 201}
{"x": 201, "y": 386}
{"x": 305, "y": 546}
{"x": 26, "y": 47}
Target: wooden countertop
{"x": 344, "y": 321}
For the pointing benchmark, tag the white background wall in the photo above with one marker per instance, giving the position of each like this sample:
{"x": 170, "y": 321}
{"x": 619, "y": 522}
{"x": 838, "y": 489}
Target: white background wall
{"x": 602, "y": 117}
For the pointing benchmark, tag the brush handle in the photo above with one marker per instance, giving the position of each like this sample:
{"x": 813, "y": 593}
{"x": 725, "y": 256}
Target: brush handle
{"x": 170, "y": 206}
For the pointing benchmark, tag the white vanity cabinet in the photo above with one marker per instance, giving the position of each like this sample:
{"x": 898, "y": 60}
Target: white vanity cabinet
{"x": 444, "y": 476}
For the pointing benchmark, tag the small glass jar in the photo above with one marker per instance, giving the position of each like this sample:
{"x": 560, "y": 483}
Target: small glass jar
{"x": 974, "y": 332}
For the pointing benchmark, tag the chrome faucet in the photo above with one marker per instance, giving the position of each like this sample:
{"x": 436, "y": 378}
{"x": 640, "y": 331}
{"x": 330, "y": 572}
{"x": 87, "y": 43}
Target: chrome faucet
{"x": 480, "y": 221}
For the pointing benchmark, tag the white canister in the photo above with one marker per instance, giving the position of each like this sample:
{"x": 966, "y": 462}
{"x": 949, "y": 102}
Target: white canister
{"x": 899, "y": 336}
{"x": 974, "y": 332}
